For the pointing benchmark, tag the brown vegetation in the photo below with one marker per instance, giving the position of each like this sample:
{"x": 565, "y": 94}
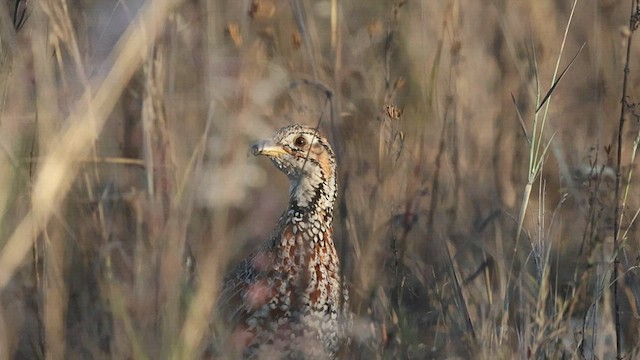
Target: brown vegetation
{"x": 470, "y": 223}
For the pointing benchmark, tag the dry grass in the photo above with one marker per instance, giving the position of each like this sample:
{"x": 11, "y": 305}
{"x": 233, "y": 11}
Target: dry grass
{"x": 469, "y": 224}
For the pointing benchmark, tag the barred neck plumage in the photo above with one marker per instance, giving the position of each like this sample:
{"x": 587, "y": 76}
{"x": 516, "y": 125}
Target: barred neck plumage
{"x": 314, "y": 192}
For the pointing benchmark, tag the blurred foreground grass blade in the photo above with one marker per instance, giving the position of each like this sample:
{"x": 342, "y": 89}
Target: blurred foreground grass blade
{"x": 85, "y": 121}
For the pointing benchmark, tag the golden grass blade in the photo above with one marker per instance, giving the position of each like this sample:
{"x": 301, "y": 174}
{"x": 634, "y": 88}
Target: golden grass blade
{"x": 85, "y": 123}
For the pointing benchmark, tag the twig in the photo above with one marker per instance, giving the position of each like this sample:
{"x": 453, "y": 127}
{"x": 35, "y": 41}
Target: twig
{"x": 633, "y": 19}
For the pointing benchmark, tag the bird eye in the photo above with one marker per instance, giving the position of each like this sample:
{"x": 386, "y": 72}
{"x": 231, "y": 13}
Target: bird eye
{"x": 300, "y": 141}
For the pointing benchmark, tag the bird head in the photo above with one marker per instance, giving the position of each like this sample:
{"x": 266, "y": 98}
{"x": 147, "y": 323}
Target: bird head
{"x": 305, "y": 157}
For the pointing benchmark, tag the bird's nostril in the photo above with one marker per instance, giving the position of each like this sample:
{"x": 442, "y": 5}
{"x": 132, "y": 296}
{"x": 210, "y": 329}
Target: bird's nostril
{"x": 255, "y": 149}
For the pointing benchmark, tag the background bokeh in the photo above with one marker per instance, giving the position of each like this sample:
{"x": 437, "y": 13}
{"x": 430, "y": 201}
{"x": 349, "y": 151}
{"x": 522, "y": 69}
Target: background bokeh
{"x": 127, "y": 188}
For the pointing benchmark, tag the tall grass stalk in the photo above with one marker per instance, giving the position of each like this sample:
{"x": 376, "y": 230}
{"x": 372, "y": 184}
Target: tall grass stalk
{"x": 619, "y": 209}
{"x": 539, "y": 145}
{"x": 538, "y": 148}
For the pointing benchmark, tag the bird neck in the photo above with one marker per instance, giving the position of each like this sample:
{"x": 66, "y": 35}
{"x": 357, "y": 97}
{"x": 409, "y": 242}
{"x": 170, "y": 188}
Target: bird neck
{"x": 313, "y": 194}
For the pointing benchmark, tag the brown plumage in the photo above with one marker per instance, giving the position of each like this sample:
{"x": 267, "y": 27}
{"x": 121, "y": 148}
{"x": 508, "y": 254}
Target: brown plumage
{"x": 287, "y": 300}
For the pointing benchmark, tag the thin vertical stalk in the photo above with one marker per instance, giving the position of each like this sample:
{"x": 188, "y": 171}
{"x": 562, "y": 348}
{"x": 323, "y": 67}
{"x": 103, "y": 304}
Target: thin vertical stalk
{"x": 618, "y": 210}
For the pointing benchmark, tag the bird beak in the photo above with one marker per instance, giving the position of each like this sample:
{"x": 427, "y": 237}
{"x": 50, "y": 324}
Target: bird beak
{"x": 267, "y": 147}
